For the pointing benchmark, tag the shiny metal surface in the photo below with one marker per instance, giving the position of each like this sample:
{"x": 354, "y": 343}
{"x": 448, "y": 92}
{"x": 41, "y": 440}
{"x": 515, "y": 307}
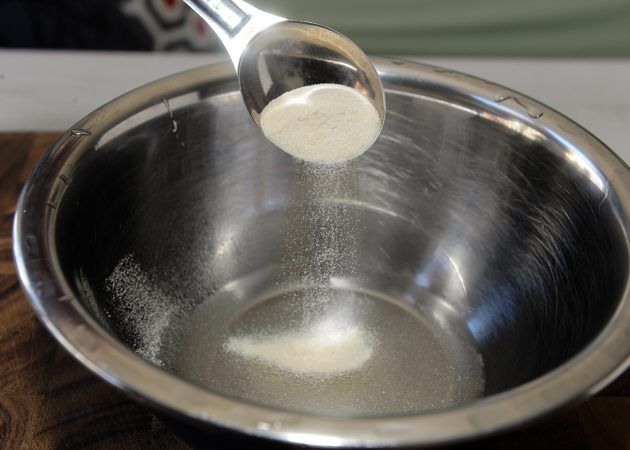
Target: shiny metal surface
{"x": 274, "y": 55}
{"x": 499, "y": 223}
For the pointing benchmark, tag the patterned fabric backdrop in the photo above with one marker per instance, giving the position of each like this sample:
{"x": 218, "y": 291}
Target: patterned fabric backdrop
{"x": 428, "y": 27}
{"x": 171, "y": 24}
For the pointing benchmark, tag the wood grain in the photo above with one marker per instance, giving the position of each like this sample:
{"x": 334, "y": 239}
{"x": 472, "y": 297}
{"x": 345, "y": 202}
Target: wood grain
{"x": 49, "y": 401}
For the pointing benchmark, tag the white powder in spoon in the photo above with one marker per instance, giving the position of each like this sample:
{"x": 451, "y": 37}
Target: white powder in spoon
{"x": 324, "y": 123}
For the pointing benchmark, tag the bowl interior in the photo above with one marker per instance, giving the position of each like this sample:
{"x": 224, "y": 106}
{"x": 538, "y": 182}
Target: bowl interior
{"x": 467, "y": 253}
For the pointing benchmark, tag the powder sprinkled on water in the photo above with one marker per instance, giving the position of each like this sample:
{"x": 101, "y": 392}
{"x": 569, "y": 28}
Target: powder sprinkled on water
{"x": 324, "y": 351}
{"x": 144, "y": 310}
{"x": 321, "y": 246}
{"x": 324, "y": 123}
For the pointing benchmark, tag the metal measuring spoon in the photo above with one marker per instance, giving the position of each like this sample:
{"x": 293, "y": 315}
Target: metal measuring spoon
{"x": 273, "y": 55}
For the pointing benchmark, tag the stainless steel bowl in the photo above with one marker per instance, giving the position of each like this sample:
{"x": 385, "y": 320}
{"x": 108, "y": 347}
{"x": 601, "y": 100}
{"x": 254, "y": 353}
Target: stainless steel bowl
{"x": 482, "y": 242}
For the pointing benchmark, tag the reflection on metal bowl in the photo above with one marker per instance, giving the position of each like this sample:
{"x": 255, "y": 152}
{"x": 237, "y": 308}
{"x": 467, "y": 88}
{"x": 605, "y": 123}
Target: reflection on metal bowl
{"x": 475, "y": 259}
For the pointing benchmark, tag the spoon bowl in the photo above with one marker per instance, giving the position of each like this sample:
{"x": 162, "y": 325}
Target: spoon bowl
{"x": 289, "y": 55}
{"x": 273, "y": 55}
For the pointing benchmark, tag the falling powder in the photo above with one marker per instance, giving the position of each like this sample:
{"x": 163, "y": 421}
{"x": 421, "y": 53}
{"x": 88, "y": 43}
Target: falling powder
{"x": 324, "y": 123}
{"x": 321, "y": 245}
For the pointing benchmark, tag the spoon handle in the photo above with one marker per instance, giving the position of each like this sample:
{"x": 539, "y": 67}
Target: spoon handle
{"x": 224, "y": 13}
{"x": 235, "y": 22}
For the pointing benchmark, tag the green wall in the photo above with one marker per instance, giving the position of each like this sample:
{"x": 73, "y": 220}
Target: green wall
{"x": 593, "y": 28}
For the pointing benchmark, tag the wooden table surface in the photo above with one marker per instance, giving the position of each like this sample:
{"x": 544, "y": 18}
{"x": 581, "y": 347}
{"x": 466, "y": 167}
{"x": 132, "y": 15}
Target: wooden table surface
{"x": 49, "y": 401}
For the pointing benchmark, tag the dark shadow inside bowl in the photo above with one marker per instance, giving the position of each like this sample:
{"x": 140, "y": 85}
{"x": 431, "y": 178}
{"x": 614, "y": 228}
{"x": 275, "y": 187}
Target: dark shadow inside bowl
{"x": 477, "y": 253}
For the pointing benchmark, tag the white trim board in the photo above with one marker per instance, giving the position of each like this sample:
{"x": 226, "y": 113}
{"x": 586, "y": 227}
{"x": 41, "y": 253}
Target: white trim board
{"x": 50, "y": 90}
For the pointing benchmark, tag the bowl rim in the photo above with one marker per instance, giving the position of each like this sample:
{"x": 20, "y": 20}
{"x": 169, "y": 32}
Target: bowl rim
{"x": 607, "y": 356}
